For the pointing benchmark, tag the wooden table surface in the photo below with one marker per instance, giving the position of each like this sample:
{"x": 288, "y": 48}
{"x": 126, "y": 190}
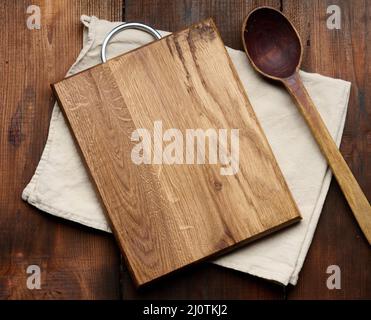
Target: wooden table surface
{"x": 80, "y": 263}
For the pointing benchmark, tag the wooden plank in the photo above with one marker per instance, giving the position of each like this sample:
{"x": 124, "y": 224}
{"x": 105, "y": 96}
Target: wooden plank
{"x": 344, "y": 54}
{"x": 177, "y": 15}
{"x": 204, "y": 282}
{"x": 167, "y": 215}
{"x": 75, "y": 262}
{"x": 211, "y": 281}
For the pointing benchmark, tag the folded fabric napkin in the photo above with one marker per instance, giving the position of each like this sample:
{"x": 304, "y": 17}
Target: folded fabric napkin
{"x": 61, "y": 186}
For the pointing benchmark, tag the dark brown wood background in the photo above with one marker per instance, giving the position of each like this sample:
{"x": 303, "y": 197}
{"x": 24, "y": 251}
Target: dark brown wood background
{"x": 81, "y": 263}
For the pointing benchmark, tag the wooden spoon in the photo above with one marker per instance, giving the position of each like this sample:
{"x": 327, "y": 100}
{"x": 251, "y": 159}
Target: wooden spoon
{"x": 274, "y": 48}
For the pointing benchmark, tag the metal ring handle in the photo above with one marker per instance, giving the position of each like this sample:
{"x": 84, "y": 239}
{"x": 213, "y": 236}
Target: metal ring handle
{"x": 130, "y": 25}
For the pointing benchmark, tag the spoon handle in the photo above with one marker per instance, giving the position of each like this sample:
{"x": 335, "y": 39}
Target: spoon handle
{"x": 347, "y": 182}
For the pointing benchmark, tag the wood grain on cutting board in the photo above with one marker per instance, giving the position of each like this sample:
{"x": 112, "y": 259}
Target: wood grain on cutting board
{"x": 168, "y": 216}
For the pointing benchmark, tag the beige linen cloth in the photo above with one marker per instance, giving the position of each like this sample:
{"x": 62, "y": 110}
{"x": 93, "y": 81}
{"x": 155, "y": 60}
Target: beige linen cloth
{"x": 60, "y": 185}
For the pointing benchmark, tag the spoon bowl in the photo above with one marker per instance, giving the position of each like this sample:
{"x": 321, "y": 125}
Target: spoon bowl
{"x": 272, "y": 43}
{"x": 274, "y": 48}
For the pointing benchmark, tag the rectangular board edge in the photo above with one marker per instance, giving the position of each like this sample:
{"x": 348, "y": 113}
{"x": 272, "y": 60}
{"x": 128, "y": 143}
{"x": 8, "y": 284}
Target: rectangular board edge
{"x": 213, "y": 255}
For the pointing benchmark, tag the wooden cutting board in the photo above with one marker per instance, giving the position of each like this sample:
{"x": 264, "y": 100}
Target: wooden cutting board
{"x": 167, "y": 216}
